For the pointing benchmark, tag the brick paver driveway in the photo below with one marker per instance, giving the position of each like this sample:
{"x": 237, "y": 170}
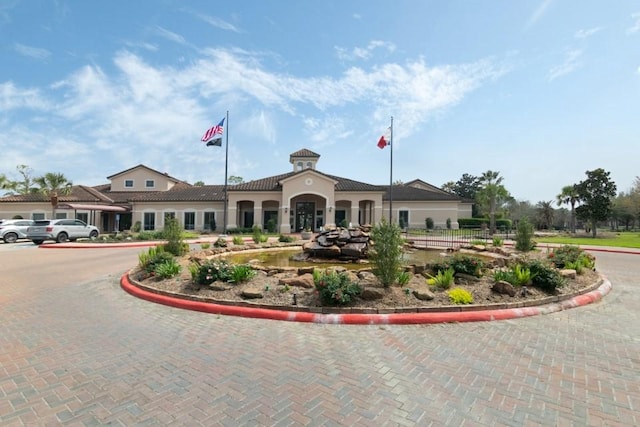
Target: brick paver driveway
{"x": 77, "y": 350}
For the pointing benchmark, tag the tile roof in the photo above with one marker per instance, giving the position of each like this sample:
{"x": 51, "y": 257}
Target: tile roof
{"x": 183, "y": 193}
{"x": 304, "y": 153}
{"x": 79, "y": 193}
{"x": 409, "y": 194}
{"x": 145, "y": 167}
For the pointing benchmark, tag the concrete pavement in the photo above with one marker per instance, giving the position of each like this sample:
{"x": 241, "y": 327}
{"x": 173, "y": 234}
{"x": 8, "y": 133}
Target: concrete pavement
{"x": 83, "y": 352}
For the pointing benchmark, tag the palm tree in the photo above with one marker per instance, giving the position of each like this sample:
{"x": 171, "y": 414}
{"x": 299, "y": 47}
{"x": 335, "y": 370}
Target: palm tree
{"x": 545, "y": 214}
{"x": 492, "y": 193}
{"x": 53, "y": 184}
{"x": 5, "y": 184}
{"x": 569, "y": 195}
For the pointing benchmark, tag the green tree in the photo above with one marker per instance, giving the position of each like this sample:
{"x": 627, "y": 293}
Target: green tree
{"x": 53, "y": 185}
{"x": 198, "y": 183}
{"x": 233, "y": 180}
{"x": 466, "y": 187}
{"x": 545, "y": 214}
{"x": 492, "y": 195}
{"x": 173, "y": 234}
{"x": 26, "y": 184}
{"x": 5, "y": 183}
{"x": 386, "y": 254}
{"x": 596, "y": 193}
{"x": 569, "y": 195}
{"x": 524, "y": 236}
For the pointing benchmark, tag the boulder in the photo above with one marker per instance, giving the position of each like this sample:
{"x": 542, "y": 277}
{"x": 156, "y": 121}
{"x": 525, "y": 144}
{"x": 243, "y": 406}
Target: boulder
{"x": 423, "y": 294}
{"x": 504, "y": 288}
{"x": 302, "y": 281}
{"x": 252, "y": 293}
{"x": 372, "y": 294}
{"x": 568, "y": 273}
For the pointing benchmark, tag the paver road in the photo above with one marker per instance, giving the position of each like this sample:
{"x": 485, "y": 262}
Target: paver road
{"x": 77, "y": 350}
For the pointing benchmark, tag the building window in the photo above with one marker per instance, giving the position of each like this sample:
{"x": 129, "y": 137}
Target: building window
{"x": 403, "y": 219}
{"x": 84, "y": 217}
{"x": 169, "y": 215}
{"x": 61, "y": 215}
{"x": 128, "y": 183}
{"x": 149, "y": 220}
{"x": 299, "y": 166}
{"x": 189, "y": 220}
{"x": 150, "y": 183}
{"x": 210, "y": 221}
{"x": 37, "y": 216}
{"x": 308, "y": 165}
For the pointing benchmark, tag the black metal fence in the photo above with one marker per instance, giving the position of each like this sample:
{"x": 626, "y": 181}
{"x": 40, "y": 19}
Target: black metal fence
{"x": 449, "y": 238}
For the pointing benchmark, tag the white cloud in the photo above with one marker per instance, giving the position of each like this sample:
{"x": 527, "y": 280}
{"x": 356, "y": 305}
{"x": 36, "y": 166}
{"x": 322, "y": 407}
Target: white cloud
{"x": 219, "y": 23}
{"x": 571, "y": 63}
{"x": 636, "y": 25}
{"x": 583, "y": 34}
{"x": 537, "y": 14}
{"x": 170, "y": 35}
{"x": 363, "y": 53}
{"x": 31, "y": 52}
{"x": 12, "y": 98}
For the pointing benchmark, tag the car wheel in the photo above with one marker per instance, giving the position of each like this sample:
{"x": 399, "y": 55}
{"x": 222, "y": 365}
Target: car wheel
{"x": 93, "y": 235}
{"x": 62, "y": 237}
{"x": 10, "y": 237}
{"x": 38, "y": 242}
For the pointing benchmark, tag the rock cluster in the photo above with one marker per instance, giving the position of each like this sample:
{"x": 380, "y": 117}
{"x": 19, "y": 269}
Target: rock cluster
{"x": 339, "y": 243}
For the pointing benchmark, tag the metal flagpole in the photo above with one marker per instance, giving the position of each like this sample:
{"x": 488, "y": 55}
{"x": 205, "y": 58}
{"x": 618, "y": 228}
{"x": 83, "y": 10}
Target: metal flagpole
{"x": 226, "y": 164}
{"x": 391, "y": 172}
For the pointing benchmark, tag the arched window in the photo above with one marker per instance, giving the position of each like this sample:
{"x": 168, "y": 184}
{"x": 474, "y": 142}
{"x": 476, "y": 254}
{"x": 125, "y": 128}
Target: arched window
{"x": 299, "y": 166}
{"x": 308, "y": 165}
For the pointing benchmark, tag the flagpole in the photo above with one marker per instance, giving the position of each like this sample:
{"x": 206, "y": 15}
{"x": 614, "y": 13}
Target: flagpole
{"x": 226, "y": 164}
{"x": 391, "y": 171}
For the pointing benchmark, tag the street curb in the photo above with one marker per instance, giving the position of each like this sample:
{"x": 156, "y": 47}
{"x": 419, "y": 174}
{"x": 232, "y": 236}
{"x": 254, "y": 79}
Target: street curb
{"x": 367, "y": 319}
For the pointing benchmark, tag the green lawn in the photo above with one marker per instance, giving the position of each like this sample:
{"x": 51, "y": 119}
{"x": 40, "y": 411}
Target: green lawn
{"x": 623, "y": 240}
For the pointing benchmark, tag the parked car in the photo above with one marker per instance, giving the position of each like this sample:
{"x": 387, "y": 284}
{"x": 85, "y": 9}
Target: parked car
{"x": 60, "y": 230}
{"x": 14, "y": 229}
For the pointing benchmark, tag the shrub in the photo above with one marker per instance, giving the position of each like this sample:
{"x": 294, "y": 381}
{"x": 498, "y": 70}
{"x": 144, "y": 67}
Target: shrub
{"x": 150, "y": 235}
{"x": 335, "y": 288}
{"x": 386, "y": 254}
{"x": 403, "y": 278}
{"x": 545, "y": 277}
{"x": 167, "y": 269}
{"x": 241, "y": 273}
{"x": 136, "y": 227}
{"x": 212, "y": 224}
{"x": 344, "y": 223}
{"x": 285, "y": 239}
{"x": 154, "y": 256}
{"x": 521, "y": 275}
{"x": 497, "y": 242}
{"x": 237, "y": 240}
{"x": 271, "y": 225}
{"x": 211, "y": 271}
{"x": 429, "y": 223}
{"x": 442, "y": 280}
{"x": 205, "y": 245}
{"x": 256, "y": 233}
{"x": 467, "y": 264}
{"x": 504, "y": 275}
{"x": 460, "y": 296}
{"x": 564, "y": 255}
{"x": 220, "y": 243}
{"x": 524, "y": 236}
{"x": 448, "y": 223}
{"x": 173, "y": 234}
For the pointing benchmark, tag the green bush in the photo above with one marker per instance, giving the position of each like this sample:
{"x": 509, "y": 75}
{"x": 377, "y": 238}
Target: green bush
{"x": 564, "y": 255}
{"x": 335, "y": 288}
{"x": 504, "y": 276}
{"x": 155, "y": 255}
{"x": 386, "y": 253}
{"x": 271, "y": 225}
{"x": 205, "y": 245}
{"x": 150, "y": 235}
{"x": 497, "y": 242}
{"x": 221, "y": 242}
{"x": 448, "y": 223}
{"x": 524, "y": 236}
{"x": 545, "y": 277}
{"x": 210, "y": 271}
{"x": 237, "y": 240}
{"x": 442, "y": 280}
{"x": 173, "y": 234}
{"x": 522, "y": 275}
{"x": 429, "y": 223}
{"x": 467, "y": 264}
{"x": 460, "y": 296}
{"x": 167, "y": 269}
{"x": 403, "y": 278}
{"x": 241, "y": 273}
{"x": 136, "y": 227}
{"x": 285, "y": 239}
{"x": 344, "y": 223}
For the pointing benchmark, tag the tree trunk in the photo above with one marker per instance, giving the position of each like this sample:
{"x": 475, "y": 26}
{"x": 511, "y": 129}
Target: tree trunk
{"x": 573, "y": 219}
{"x": 593, "y": 228}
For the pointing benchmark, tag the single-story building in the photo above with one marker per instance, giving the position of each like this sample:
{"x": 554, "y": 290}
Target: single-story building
{"x": 302, "y": 198}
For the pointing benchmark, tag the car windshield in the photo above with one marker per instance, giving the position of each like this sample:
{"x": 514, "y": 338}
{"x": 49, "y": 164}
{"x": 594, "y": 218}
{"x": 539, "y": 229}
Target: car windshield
{"x": 42, "y": 222}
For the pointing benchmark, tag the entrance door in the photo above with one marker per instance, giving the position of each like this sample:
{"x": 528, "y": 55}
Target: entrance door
{"x": 304, "y": 215}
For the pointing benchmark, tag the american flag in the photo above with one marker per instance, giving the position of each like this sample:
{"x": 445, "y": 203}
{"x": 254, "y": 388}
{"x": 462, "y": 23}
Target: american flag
{"x": 211, "y": 133}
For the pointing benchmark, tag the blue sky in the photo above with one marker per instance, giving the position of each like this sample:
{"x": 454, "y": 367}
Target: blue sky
{"x": 540, "y": 90}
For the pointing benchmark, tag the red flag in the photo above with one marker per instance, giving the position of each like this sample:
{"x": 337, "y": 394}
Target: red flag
{"x": 211, "y": 134}
{"x": 385, "y": 139}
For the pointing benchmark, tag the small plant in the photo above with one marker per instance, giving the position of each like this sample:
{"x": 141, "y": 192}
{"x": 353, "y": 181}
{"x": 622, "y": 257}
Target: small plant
{"x": 256, "y": 234}
{"x": 285, "y": 239}
{"x": 429, "y": 223}
{"x": 524, "y": 236}
{"x": 403, "y": 278}
{"x": 545, "y": 277}
{"x": 564, "y": 255}
{"x": 220, "y": 243}
{"x": 167, "y": 269}
{"x": 286, "y": 288}
{"x": 271, "y": 225}
{"x": 407, "y": 291}
{"x": 477, "y": 242}
{"x": 504, "y": 276}
{"x": 443, "y": 279}
{"x": 136, "y": 227}
{"x": 386, "y": 253}
{"x": 522, "y": 275}
{"x": 211, "y": 271}
{"x": 241, "y": 273}
{"x": 205, "y": 246}
{"x": 266, "y": 288}
{"x": 155, "y": 255}
{"x": 467, "y": 265}
{"x": 173, "y": 234}
{"x": 237, "y": 240}
{"x": 335, "y": 288}
{"x": 460, "y": 296}
{"x": 497, "y": 242}
{"x": 448, "y": 223}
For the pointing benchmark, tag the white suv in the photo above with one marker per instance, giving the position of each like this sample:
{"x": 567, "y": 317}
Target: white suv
{"x": 60, "y": 230}
{"x": 14, "y": 229}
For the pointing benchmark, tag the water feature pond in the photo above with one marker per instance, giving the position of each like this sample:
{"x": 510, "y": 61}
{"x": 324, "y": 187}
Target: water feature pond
{"x": 285, "y": 258}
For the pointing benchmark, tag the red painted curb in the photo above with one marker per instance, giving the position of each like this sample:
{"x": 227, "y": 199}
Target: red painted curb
{"x": 366, "y": 319}
{"x": 99, "y": 245}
